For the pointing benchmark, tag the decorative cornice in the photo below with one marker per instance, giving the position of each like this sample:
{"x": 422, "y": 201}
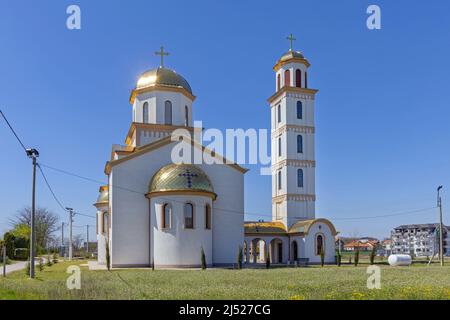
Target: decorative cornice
{"x": 304, "y": 93}
{"x": 294, "y": 163}
{"x": 212, "y": 195}
{"x": 293, "y": 128}
{"x": 294, "y": 197}
{"x": 281, "y": 63}
{"x": 152, "y": 127}
{"x": 160, "y": 87}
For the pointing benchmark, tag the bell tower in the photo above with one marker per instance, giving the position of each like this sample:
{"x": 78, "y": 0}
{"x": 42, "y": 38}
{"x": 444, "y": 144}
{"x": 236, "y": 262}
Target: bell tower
{"x": 292, "y": 136}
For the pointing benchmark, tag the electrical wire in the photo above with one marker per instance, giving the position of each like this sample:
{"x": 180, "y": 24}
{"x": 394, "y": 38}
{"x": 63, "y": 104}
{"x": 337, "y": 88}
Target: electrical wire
{"x": 12, "y": 130}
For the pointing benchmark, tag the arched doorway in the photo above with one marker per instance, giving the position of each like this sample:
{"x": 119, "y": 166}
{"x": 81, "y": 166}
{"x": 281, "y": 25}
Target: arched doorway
{"x": 319, "y": 244}
{"x": 276, "y": 251}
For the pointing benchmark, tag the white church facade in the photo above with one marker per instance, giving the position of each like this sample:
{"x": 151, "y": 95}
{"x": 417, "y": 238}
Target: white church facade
{"x": 154, "y": 212}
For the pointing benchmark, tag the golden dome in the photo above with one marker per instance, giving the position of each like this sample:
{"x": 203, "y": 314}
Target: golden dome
{"x": 103, "y": 196}
{"x": 163, "y": 77}
{"x": 180, "y": 177}
{"x": 292, "y": 54}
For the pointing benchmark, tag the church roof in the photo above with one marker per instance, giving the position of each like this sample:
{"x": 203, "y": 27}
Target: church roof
{"x": 103, "y": 196}
{"x": 264, "y": 227}
{"x": 180, "y": 177}
{"x": 291, "y": 56}
{"x": 163, "y": 77}
{"x": 303, "y": 226}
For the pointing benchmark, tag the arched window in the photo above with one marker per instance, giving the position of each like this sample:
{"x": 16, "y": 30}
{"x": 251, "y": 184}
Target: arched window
{"x": 166, "y": 216}
{"x": 300, "y": 178}
{"x": 299, "y": 144}
{"x": 189, "y": 216}
{"x": 287, "y": 78}
{"x": 306, "y": 79}
{"x": 278, "y": 82}
{"x": 168, "y": 112}
{"x": 279, "y": 180}
{"x": 299, "y": 110}
{"x": 145, "y": 113}
{"x": 279, "y": 113}
{"x": 319, "y": 244}
{"x": 279, "y": 147}
{"x": 298, "y": 78}
{"x": 186, "y": 116}
{"x": 207, "y": 217}
{"x": 105, "y": 222}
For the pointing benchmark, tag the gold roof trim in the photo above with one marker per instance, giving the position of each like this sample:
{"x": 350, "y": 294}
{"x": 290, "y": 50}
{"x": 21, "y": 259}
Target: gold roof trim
{"x": 305, "y": 225}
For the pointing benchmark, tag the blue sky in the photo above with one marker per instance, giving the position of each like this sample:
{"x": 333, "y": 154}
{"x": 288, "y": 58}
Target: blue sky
{"x": 382, "y": 112}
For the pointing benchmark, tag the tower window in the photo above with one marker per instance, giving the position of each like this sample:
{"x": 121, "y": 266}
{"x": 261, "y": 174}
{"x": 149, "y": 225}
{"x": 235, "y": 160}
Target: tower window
{"x": 300, "y": 178}
{"x": 279, "y": 147}
{"x": 186, "y": 116}
{"x": 168, "y": 112}
{"x": 279, "y": 113}
{"x": 306, "y": 80}
{"x": 287, "y": 78}
{"x": 299, "y": 110}
{"x": 299, "y": 144}
{"x": 189, "y": 216}
{"x": 278, "y": 82}
{"x": 207, "y": 217}
{"x": 319, "y": 244}
{"x": 145, "y": 113}
{"x": 298, "y": 78}
{"x": 166, "y": 216}
{"x": 279, "y": 180}
{"x": 105, "y": 222}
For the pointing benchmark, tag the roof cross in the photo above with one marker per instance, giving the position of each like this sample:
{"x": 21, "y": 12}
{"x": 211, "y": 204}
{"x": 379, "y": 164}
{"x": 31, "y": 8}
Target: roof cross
{"x": 162, "y": 53}
{"x": 291, "y": 39}
{"x": 188, "y": 175}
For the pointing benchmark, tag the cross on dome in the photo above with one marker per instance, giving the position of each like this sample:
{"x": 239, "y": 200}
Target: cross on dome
{"x": 162, "y": 53}
{"x": 188, "y": 175}
{"x": 291, "y": 39}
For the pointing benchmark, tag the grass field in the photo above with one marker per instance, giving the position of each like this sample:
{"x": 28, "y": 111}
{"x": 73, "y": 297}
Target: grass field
{"x": 331, "y": 282}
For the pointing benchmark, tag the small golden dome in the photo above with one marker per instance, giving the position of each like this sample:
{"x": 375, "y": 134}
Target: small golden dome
{"x": 180, "y": 177}
{"x": 164, "y": 77}
{"x": 291, "y": 54}
{"x": 103, "y": 196}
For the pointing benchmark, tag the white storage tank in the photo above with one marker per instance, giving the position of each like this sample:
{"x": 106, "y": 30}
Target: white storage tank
{"x": 399, "y": 260}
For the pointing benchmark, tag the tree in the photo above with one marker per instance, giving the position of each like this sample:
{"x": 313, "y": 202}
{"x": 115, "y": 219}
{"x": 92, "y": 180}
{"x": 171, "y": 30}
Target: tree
{"x": 356, "y": 254}
{"x": 77, "y": 241}
{"x": 108, "y": 256}
{"x": 338, "y": 258}
{"x": 8, "y": 239}
{"x": 46, "y": 223}
{"x": 322, "y": 257}
{"x": 267, "y": 260}
{"x": 373, "y": 254}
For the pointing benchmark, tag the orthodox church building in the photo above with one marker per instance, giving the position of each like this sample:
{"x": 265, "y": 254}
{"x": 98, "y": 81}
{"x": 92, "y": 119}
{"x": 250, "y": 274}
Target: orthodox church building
{"x": 154, "y": 212}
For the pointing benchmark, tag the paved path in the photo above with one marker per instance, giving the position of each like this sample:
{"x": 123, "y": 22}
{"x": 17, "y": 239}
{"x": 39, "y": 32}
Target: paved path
{"x": 17, "y": 266}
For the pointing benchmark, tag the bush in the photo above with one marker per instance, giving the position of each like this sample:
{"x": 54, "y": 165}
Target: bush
{"x": 356, "y": 256}
{"x": 203, "y": 258}
{"x": 27, "y": 268}
{"x": 239, "y": 258}
{"x": 21, "y": 254}
{"x": 55, "y": 258}
{"x": 40, "y": 264}
{"x": 322, "y": 257}
{"x": 338, "y": 258}
{"x": 8, "y": 239}
{"x": 372, "y": 255}
{"x": 267, "y": 260}
{"x": 108, "y": 256}
{"x": 49, "y": 261}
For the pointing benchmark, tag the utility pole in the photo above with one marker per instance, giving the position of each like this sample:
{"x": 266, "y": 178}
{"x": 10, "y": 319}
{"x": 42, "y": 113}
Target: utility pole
{"x": 62, "y": 239}
{"x": 4, "y": 260}
{"x": 33, "y": 154}
{"x": 441, "y": 227}
{"x": 70, "y": 232}
{"x": 87, "y": 238}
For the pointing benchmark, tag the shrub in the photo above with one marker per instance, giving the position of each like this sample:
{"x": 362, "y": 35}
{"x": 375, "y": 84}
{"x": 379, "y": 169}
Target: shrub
{"x": 40, "y": 264}
{"x": 27, "y": 268}
{"x": 55, "y": 258}
{"x": 21, "y": 254}
{"x": 203, "y": 259}
{"x": 356, "y": 256}
{"x": 239, "y": 258}
{"x": 338, "y": 258}
{"x": 49, "y": 261}
{"x": 322, "y": 257}
{"x": 267, "y": 260}
{"x": 8, "y": 239}
{"x": 108, "y": 256}
{"x": 372, "y": 255}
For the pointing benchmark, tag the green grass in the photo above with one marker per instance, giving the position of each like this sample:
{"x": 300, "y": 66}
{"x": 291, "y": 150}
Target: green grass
{"x": 347, "y": 282}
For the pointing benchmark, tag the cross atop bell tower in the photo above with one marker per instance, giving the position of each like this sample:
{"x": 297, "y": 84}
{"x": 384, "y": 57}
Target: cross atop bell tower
{"x": 291, "y": 39}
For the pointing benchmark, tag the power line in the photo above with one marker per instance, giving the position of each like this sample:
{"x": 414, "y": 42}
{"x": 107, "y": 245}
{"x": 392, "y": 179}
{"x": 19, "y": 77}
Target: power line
{"x": 50, "y": 188}
{"x": 14, "y": 132}
{"x": 236, "y": 211}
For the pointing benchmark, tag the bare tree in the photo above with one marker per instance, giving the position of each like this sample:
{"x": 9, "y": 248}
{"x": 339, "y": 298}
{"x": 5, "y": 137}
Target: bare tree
{"x": 77, "y": 241}
{"x": 46, "y": 223}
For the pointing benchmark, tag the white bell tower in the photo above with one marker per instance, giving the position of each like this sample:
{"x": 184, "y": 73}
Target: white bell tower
{"x": 292, "y": 134}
